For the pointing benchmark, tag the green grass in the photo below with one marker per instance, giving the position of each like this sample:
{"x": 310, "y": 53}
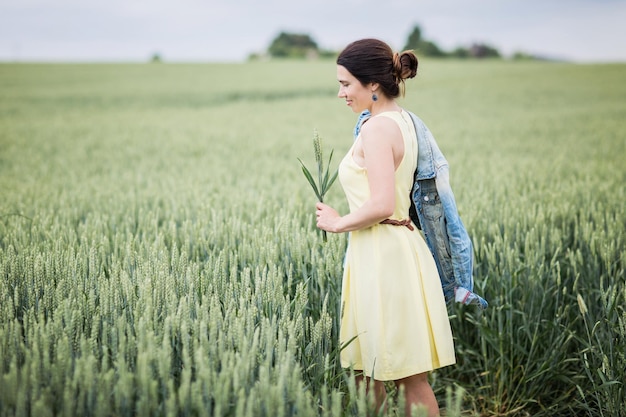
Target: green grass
{"x": 158, "y": 254}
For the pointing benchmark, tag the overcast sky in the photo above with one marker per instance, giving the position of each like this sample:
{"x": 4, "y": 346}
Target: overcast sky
{"x": 229, "y": 30}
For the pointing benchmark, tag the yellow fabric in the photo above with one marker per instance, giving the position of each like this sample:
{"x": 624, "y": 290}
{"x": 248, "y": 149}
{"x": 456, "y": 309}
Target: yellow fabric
{"x": 392, "y": 299}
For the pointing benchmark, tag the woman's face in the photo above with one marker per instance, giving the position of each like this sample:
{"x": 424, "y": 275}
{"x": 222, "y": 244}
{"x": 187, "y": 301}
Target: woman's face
{"x": 357, "y": 96}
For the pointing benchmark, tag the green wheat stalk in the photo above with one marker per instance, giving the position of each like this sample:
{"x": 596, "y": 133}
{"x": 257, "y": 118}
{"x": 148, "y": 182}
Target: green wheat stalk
{"x": 325, "y": 180}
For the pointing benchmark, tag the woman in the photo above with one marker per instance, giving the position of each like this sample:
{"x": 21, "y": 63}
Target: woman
{"x": 392, "y": 302}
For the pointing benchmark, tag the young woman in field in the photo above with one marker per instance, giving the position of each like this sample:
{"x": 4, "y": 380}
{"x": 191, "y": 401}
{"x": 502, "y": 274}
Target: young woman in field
{"x": 392, "y": 301}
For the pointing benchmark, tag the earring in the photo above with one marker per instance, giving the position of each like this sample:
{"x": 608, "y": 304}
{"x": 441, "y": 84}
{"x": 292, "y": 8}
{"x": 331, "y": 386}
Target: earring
{"x": 374, "y": 97}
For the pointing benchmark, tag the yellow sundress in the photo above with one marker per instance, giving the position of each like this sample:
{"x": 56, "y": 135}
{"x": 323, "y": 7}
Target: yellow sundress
{"x": 392, "y": 299}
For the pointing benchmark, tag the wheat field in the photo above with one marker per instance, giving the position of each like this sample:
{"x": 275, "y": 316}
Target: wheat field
{"x": 158, "y": 255}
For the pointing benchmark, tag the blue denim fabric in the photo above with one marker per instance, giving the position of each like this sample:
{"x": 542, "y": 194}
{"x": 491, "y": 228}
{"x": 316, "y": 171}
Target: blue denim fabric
{"x": 437, "y": 215}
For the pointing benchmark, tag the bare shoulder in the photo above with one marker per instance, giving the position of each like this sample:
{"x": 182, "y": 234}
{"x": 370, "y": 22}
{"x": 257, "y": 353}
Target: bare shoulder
{"x": 381, "y": 128}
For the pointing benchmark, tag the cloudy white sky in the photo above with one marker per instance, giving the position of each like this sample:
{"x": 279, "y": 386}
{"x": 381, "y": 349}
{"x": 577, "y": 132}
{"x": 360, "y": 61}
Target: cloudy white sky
{"x": 229, "y": 30}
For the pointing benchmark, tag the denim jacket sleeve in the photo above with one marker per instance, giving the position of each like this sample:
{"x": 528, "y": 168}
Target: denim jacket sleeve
{"x": 461, "y": 250}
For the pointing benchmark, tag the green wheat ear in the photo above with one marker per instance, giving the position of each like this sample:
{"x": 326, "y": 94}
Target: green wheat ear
{"x": 324, "y": 179}
{"x": 317, "y": 147}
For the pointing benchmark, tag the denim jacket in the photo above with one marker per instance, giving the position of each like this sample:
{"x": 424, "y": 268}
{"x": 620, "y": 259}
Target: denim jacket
{"x": 434, "y": 211}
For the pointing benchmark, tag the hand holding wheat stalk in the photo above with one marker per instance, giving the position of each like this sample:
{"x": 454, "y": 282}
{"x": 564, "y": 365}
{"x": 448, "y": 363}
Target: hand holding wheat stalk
{"x": 325, "y": 180}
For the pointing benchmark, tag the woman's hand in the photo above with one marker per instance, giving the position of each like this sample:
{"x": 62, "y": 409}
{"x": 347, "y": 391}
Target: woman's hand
{"x": 327, "y": 218}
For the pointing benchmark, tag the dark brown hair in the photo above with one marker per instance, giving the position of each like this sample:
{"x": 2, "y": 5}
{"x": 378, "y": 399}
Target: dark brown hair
{"x": 373, "y": 61}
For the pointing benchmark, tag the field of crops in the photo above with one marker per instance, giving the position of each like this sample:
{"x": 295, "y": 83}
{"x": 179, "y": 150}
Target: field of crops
{"x": 158, "y": 255}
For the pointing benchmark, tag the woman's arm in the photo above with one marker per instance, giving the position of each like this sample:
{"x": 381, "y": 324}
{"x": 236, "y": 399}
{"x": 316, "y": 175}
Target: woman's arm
{"x": 380, "y": 153}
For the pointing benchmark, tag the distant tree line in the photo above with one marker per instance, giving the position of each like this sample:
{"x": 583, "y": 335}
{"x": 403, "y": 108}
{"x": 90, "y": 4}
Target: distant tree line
{"x": 425, "y": 47}
{"x": 294, "y": 45}
{"x": 297, "y": 45}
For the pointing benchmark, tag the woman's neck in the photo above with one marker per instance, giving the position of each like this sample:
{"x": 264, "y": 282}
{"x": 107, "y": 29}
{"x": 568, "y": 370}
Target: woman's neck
{"x": 384, "y": 106}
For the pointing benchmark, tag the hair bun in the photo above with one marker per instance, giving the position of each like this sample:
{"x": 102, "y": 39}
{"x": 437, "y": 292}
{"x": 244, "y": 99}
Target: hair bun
{"x": 405, "y": 64}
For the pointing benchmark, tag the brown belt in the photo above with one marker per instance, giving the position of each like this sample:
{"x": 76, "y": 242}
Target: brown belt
{"x": 405, "y": 222}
